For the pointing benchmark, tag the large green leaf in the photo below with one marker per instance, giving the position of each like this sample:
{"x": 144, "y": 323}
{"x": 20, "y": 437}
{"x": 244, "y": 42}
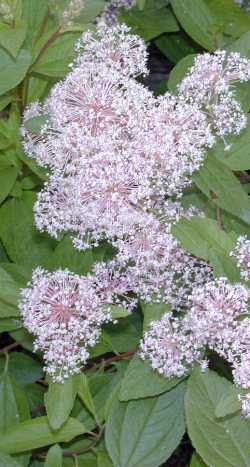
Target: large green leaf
{"x": 198, "y": 235}
{"x": 67, "y": 256}
{"x": 175, "y": 46}
{"x": 221, "y": 186}
{"x": 12, "y": 70}
{"x": 25, "y": 369}
{"x": 54, "y": 61}
{"x": 11, "y": 38}
{"x": 54, "y": 457}
{"x": 197, "y": 20}
{"x": 141, "y": 380}
{"x": 20, "y": 238}
{"x": 59, "y": 401}
{"x": 144, "y": 433}
{"x": 13, "y": 403}
{"x": 150, "y": 23}
{"x": 220, "y": 442}
{"x": 229, "y": 403}
{"x": 85, "y": 395}
{"x": 232, "y": 20}
{"x": 34, "y": 13}
{"x": 7, "y": 180}
{"x": 37, "y": 433}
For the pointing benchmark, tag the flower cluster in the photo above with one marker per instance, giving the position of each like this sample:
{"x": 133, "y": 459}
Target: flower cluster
{"x": 116, "y": 153}
{"x": 65, "y": 312}
{"x": 242, "y": 254}
{"x": 217, "y": 321}
{"x": 209, "y": 85}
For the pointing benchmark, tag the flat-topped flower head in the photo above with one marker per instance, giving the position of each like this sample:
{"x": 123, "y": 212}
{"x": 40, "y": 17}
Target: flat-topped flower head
{"x": 65, "y": 313}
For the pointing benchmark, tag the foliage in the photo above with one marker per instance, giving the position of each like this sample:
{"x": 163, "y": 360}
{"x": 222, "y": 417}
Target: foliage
{"x": 118, "y": 412}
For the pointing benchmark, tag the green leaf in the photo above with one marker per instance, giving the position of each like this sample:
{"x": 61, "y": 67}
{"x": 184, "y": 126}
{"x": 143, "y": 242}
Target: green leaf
{"x": 197, "y": 20}
{"x": 228, "y": 404}
{"x": 8, "y": 461}
{"x": 11, "y": 38}
{"x": 221, "y": 186}
{"x": 25, "y": 369}
{"x": 54, "y": 457}
{"x": 145, "y": 432}
{"x": 13, "y": 403}
{"x": 153, "y": 312}
{"x": 150, "y": 23}
{"x": 119, "y": 312}
{"x": 9, "y": 295}
{"x": 223, "y": 265}
{"x": 220, "y": 442}
{"x": 35, "y": 124}
{"x": 141, "y": 380}
{"x": 237, "y": 157}
{"x": 56, "y": 58}
{"x": 12, "y": 70}
{"x": 232, "y": 19}
{"x": 7, "y": 180}
{"x": 19, "y": 234}
{"x": 103, "y": 459}
{"x": 198, "y": 235}
{"x": 37, "y": 433}
{"x": 34, "y": 13}
{"x": 91, "y": 9}
{"x": 179, "y": 71}
{"x": 59, "y": 401}
{"x": 196, "y": 461}
{"x": 175, "y": 46}
{"x": 85, "y": 394}
{"x": 7, "y": 325}
{"x": 66, "y": 256}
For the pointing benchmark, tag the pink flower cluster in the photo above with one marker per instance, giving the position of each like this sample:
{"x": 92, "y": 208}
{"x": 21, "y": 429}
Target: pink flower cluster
{"x": 116, "y": 154}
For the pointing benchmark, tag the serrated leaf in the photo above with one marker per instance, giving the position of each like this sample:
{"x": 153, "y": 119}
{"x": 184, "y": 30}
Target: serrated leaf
{"x": 158, "y": 426}
{"x": 54, "y": 457}
{"x": 13, "y": 70}
{"x": 59, "y": 401}
{"x": 222, "y": 187}
{"x": 197, "y": 20}
{"x": 140, "y": 380}
{"x": 37, "y": 433}
{"x": 220, "y": 442}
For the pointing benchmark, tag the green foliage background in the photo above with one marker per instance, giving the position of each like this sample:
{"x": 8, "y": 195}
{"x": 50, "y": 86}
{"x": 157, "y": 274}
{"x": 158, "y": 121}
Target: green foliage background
{"x": 119, "y": 412}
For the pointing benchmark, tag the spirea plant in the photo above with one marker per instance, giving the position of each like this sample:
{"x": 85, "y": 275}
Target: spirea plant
{"x": 124, "y": 234}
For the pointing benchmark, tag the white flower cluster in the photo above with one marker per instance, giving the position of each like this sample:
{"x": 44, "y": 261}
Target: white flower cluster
{"x": 115, "y": 154}
{"x": 217, "y": 321}
{"x": 65, "y": 312}
{"x": 209, "y": 84}
{"x": 242, "y": 254}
